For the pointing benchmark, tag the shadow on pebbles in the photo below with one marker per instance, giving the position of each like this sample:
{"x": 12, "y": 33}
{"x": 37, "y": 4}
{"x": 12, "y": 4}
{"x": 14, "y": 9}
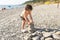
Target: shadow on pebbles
{"x": 31, "y": 33}
{"x": 40, "y": 34}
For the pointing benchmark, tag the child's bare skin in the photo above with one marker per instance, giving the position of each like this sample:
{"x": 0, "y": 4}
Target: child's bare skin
{"x": 24, "y": 17}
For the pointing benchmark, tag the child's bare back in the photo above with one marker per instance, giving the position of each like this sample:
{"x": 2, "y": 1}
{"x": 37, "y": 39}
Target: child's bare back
{"x": 24, "y": 14}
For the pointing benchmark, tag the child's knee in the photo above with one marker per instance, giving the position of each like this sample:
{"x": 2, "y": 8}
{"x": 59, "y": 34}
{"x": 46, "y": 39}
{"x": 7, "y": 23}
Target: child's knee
{"x": 23, "y": 21}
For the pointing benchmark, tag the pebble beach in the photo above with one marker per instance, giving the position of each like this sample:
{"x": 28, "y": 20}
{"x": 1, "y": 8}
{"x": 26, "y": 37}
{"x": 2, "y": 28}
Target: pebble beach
{"x": 44, "y": 16}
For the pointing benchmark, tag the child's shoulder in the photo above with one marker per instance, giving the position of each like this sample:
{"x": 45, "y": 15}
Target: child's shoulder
{"x": 22, "y": 12}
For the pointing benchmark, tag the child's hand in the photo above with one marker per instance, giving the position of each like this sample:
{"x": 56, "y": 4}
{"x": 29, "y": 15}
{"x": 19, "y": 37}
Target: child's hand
{"x": 29, "y": 23}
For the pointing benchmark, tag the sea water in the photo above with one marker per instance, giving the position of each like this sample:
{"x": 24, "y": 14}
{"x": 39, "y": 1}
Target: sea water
{"x": 10, "y": 6}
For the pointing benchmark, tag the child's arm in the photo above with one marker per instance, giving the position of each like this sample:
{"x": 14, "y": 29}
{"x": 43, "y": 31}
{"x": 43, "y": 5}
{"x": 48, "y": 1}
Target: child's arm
{"x": 31, "y": 17}
{"x": 26, "y": 18}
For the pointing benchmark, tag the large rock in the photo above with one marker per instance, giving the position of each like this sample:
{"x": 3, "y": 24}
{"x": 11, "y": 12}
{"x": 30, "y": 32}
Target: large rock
{"x": 37, "y": 33}
{"x": 57, "y": 35}
{"x": 47, "y": 34}
{"x": 42, "y": 38}
{"x": 49, "y": 39}
{"x": 36, "y": 38}
{"x": 31, "y": 28}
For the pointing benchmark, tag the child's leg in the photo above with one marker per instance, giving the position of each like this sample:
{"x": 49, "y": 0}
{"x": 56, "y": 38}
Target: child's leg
{"x": 23, "y": 24}
{"x": 31, "y": 24}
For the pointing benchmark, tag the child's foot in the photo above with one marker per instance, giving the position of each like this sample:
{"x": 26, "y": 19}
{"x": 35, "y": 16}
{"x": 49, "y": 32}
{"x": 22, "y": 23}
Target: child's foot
{"x": 23, "y": 30}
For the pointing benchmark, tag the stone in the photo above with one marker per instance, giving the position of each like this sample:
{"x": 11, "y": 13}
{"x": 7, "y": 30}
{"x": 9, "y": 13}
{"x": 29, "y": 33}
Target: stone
{"x": 2, "y": 38}
{"x": 42, "y": 38}
{"x": 58, "y": 32}
{"x": 28, "y": 37}
{"x": 36, "y": 38}
{"x": 34, "y": 33}
{"x": 47, "y": 34}
{"x": 49, "y": 39}
{"x": 31, "y": 28}
{"x": 37, "y": 33}
{"x": 56, "y": 35}
{"x": 13, "y": 34}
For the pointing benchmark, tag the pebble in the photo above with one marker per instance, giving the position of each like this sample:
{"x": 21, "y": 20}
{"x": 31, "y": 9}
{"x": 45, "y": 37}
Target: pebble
{"x": 49, "y": 39}
{"x": 42, "y": 38}
{"x": 47, "y": 34}
{"x": 57, "y": 35}
{"x": 28, "y": 37}
{"x": 36, "y": 38}
{"x": 2, "y": 38}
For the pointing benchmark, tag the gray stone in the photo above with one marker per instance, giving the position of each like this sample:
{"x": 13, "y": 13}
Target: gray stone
{"x": 49, "y": 39}
{"x": 14, "y": 34}
{"x": 47, "y": 34}
{"x": 36, "y": 38}
{"x": 34, "y": 33}
{"x": 37, "y": 33}
{"x": 28, "y": 37}
{"x": 31, "y": 28}
{"x": 56, "y": 35}
{"x": 2, "y": 38}
{"x": 42, "y": 38}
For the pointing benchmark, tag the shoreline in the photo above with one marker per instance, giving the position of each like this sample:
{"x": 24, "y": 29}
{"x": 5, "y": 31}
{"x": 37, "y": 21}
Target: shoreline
{"x": 18, "y": 6}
